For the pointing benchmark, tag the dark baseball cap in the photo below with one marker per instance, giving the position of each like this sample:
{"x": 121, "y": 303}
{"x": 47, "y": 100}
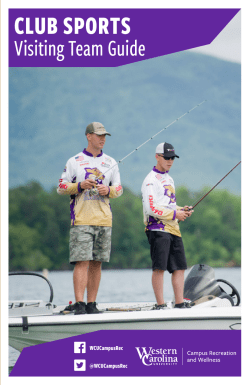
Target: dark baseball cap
{"x": 96, "y": 128}
{"x": 166, "y": 149}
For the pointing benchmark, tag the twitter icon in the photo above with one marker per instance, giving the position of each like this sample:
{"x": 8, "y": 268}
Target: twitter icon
{"x": 79, "y": 365}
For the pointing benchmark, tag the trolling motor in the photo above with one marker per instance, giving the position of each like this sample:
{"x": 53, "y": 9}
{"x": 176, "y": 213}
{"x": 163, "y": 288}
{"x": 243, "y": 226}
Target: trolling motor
{"x": 201, "y": 286}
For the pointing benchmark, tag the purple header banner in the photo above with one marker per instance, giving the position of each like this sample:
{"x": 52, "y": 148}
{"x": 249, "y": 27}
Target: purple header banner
{"x": 136, "y": 353}
{"x": 108, "y": 37}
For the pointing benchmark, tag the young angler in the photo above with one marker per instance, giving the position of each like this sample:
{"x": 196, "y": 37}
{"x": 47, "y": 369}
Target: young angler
{"x": 90, "y": 178}
{"x": 161, "y": 216}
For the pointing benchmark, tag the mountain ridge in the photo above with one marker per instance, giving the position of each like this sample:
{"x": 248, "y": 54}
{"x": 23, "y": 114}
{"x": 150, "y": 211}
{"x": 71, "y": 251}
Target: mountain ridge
{"x": 49, "y": 109}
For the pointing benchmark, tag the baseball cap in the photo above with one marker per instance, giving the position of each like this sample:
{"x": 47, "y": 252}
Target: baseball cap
{"x": 96, "y": 128}
{"x": 166, "y": 149}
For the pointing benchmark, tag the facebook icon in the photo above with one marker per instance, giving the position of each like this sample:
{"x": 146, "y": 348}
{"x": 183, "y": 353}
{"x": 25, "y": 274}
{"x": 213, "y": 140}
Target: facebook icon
{"x": 79, "y": 347}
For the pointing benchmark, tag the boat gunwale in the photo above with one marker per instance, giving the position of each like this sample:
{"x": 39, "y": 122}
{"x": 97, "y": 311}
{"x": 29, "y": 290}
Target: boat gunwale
{"x": 192, "y": 317}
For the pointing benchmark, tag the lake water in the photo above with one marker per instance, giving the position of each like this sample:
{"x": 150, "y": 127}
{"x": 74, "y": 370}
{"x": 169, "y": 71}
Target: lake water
{"x": 115, "y": 286}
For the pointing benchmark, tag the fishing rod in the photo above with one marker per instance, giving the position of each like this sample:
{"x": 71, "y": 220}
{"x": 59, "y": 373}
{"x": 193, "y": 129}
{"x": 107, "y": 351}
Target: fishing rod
{"x": 214, "y": 187}
{"x": 136, "y": 149}
{"x": 94, "y": 190}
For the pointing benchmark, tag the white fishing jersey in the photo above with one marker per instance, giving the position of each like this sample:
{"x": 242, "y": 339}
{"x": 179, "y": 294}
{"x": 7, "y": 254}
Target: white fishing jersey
{"x": 85, "y": 208}
{"x": 159, "y": 203}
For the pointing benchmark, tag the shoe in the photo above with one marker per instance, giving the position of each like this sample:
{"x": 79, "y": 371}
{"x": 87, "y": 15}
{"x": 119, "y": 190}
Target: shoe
{"x": 80, "y": 308}
{"x": 164, "y": 306}
{"x": 183, "y": 305}
{"x": 92, "y": 309}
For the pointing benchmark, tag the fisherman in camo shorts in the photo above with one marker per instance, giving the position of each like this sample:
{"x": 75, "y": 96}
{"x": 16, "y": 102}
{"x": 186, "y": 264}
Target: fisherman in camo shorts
{"x": 91, "y": 178}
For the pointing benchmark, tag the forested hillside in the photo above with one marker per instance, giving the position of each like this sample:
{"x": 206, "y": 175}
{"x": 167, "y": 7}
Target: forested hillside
{"x": 39, "y": 223}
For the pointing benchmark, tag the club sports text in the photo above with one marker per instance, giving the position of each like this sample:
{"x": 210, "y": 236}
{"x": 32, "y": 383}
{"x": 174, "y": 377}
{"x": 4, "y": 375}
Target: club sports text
{"x": 76, "y": 25}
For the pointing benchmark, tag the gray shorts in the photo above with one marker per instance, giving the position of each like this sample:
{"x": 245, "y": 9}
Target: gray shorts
{"x": 89, "y": 243}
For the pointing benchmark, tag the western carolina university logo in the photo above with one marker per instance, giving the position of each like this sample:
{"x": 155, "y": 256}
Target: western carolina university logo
{"x": 150, "y": 356}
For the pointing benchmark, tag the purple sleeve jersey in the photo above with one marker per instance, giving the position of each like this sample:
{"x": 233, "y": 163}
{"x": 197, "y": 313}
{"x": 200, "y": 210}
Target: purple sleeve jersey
{"x": 86, "y": 208}
{"x": 159, "y": 203}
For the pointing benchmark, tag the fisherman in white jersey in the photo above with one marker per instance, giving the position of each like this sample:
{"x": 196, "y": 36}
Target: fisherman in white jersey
{"x": 161, "y": 217}
{"x": 91, "y": 178}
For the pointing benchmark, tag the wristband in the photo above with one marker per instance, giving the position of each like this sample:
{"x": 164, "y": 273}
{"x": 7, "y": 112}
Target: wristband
{"x": 79, "y": 187}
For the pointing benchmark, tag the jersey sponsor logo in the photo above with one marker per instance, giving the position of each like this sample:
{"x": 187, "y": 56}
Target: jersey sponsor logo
{"x": 78, "y": 158}
{"x": 170, "y": 192}
{"x": 149, "y": 184}
{"x": 99, "y": 177}
{"x": 103, "y": 164}
{"x": 88, "y": 197}
{"x": 84, "y": 163}
{"x": 118, "y": 188}
{"x": 151, "y": 204}
{"x": 63, "y": 186}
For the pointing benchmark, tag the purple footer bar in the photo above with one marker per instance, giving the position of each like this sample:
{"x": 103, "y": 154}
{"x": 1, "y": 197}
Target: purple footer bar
{"x": 136, "y": 353}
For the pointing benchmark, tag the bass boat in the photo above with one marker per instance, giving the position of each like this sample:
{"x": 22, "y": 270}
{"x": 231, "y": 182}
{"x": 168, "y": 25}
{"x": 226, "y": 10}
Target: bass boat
{"x": 33, "y": 322}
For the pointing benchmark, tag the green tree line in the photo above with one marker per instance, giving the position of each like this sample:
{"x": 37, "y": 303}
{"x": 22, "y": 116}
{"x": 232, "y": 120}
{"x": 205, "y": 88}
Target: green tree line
{"x": 39, "y": 223}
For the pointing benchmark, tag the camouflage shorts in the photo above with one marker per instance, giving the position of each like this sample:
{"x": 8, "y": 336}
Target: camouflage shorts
{"x": 89, "y": 243}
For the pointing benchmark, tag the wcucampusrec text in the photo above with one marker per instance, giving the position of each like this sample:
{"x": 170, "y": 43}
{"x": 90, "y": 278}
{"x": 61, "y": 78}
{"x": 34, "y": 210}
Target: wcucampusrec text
{"x": 108, "y": 366}
{"x": 106, "y": 348}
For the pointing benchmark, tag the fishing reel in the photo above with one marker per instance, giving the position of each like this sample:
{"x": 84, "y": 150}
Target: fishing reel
{"x": 93, "y": 191}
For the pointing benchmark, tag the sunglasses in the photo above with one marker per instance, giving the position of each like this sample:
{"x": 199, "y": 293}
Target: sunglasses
{"x": 166, "y": 158}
